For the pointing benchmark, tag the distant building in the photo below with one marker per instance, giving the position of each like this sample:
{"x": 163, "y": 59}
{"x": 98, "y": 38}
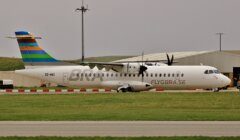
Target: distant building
{"x": 228, "y": 62}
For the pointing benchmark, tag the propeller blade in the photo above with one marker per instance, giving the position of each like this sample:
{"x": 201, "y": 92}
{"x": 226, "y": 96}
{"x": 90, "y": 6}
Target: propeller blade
{"x": 169, "y": 61}
{"x": 142, "y": 69}
{"x": 172, "y": 59}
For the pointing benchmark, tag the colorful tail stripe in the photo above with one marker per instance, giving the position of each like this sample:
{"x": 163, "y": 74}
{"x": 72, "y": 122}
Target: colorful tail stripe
{"x": 31, "y": 52}
{"x": 28, "y": 44}
{"x": 39, "y": 60}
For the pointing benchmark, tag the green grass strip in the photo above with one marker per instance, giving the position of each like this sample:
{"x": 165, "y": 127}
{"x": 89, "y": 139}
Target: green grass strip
{"x": 119, "y": 106}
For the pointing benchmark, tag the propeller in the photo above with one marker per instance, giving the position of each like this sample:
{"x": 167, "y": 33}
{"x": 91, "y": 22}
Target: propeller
{"x": 142, "y": 69}
{"x": 169, "y": 61}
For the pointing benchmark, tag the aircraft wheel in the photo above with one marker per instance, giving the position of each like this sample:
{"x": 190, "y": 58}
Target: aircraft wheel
{"x": 215, "y": 89}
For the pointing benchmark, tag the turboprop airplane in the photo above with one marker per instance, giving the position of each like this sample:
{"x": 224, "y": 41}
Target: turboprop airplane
{"x": 134, "y": 76}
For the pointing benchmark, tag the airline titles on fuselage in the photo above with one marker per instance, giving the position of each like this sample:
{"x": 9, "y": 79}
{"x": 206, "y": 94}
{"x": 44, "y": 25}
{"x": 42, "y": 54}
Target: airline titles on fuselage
{"x": 168, "y": 82}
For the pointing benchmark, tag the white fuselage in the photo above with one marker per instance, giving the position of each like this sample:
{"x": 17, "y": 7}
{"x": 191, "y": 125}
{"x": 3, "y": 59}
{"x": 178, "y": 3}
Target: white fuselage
{"x": 166, "y": 77}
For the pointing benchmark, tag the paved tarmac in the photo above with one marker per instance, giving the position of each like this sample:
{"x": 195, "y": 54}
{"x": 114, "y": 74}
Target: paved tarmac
{"x": 120, "y": 128}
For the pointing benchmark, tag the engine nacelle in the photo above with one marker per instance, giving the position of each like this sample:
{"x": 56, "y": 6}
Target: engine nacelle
{"x": 131, "y": 68}
{"x": 127, "y": 86}
{"x": 139, "y": 86}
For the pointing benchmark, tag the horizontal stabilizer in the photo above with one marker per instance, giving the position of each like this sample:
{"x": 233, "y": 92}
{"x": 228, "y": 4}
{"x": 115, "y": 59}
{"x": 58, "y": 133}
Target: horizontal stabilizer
{"x": 23, "y": 37}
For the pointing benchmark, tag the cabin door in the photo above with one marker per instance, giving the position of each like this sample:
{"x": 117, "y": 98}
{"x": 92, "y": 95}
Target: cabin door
{"x": 65, "y": 78}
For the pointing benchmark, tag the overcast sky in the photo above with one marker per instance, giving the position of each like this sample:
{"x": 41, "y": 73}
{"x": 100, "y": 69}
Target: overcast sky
{"x": 121, "y": 27}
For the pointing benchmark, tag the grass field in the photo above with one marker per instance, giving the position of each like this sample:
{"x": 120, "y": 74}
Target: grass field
{"x": 119, "y": 138}
{"x": 9, "y": 64}
{"x": 127, "y": 106}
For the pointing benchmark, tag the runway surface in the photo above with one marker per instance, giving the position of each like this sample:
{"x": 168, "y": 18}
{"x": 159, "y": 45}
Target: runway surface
{"x": 120, "y": 128}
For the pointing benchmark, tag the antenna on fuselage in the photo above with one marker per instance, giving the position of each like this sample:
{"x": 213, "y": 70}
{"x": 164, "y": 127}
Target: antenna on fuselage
{"x": 83, "y": 9}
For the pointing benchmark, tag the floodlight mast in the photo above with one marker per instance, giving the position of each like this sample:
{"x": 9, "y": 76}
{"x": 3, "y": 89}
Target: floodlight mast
{"x": 220, "y": 41}
{"x": 83, "y": 9}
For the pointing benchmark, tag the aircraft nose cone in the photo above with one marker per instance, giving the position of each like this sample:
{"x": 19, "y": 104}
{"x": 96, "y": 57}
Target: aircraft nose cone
{"x": 226, "y": 80}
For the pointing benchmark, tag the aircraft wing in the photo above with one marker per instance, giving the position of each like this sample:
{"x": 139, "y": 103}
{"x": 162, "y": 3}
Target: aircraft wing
{"x": 150, "y": 61}
{"x": 143, "y": 61}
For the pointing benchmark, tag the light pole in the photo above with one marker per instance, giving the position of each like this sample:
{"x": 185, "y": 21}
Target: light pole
{"x": 83, "y": 9}
{"x": 220, "y": 40}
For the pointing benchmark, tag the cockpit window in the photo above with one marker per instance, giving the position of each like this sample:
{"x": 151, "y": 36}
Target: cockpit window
{"x": 216, "y": 71}
{"x": 211, "y": 71}
{"x": 206, "y": 72}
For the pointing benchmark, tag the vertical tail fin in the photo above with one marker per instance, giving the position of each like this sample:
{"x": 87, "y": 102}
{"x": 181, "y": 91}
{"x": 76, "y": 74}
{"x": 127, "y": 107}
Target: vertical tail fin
{"x": 30, "y": 51}
{"x": 32, "y": 54}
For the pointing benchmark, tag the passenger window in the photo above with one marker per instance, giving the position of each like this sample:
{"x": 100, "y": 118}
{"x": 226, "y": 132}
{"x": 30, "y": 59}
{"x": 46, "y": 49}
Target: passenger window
{"x": 160, "y": 75}
{"x": 182, "y": 75}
